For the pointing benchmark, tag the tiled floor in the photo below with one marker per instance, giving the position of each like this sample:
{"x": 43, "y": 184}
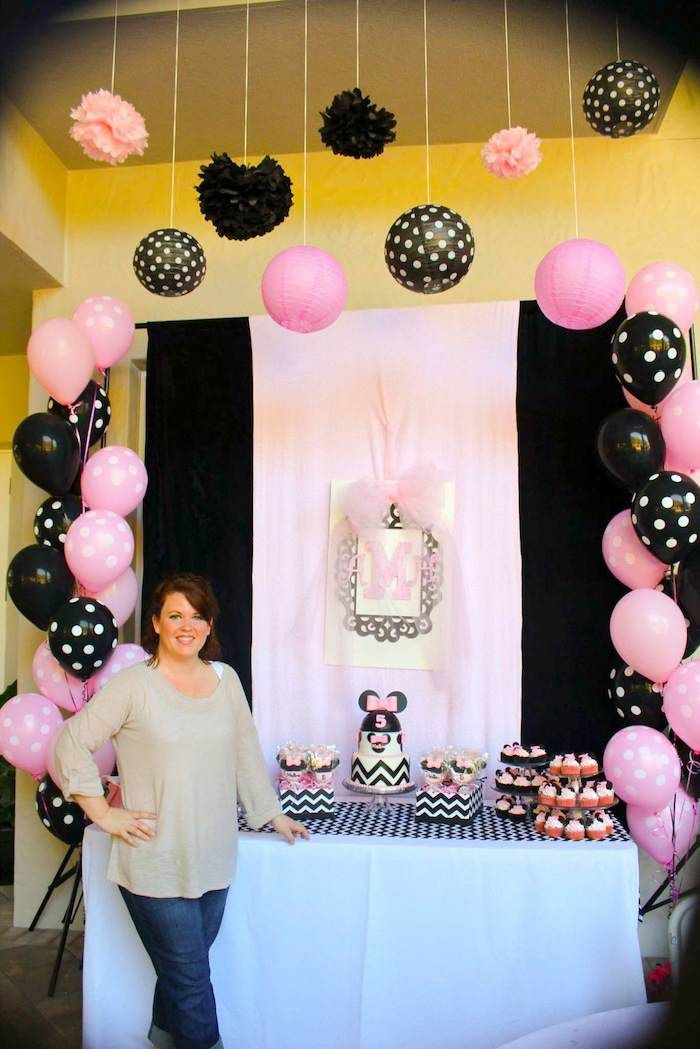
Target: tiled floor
{"x": 30, "y": 1019}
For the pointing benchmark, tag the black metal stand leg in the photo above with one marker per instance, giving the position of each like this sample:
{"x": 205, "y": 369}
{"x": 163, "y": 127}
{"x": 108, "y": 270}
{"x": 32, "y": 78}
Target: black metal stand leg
{"x": 68, "y": 918}
{"x": 58, "y": 879}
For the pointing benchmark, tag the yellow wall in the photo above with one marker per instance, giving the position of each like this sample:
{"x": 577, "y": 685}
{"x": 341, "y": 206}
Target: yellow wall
{"x": 14, "y": 390}
{"x": 638, "y": 195}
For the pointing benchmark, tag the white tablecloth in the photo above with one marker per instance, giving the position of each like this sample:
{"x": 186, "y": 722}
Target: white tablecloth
{"x": 374, "y": 943}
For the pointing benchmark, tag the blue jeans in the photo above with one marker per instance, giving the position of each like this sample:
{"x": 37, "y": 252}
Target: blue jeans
{"x": 177, "y": 934}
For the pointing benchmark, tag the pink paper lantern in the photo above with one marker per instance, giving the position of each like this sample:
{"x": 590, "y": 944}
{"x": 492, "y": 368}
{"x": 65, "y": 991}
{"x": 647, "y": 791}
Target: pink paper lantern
{"x": 109, "y": 326}
{"x": 580, "y": 284}
{"x": 667, "y": 288}
{"x": 304, "y": 289}
{"x": 114, "y": 479}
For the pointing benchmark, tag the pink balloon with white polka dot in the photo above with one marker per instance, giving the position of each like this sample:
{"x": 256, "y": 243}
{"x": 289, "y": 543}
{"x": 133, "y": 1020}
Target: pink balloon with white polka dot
{"x": 682, "y": 703}
{"x": 53, "y": 682}
{"x": 120, "y": 596}
{"x": 667, "y": 288}
{"x": 643, "y": 767}
{"x": 109, "y": 326}
{"x": 668, "y": 834}
{"x": 99, "y": 547}
{"x": 27, "y": 723}
{"x": 627, "y": 557}
{"x": 114, "y": 479}
{"x": 124, "y": 656}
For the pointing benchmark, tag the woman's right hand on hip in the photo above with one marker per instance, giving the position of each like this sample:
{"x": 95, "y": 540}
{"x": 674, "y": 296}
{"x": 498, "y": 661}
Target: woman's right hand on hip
{"x": 127, "y": 825}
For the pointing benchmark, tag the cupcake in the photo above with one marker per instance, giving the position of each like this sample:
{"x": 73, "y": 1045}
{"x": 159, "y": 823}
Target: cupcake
{"x": 566, "y": 798}
{"x": 537, "y": 753}
{"x": 574, "y": 830}
{"x": 518, "y": 812}
{"x": 596, "y": 829}
{"x": 548, "y": 794}
{"x": 537, "y": 781}
{"x": 540, "y": 819}
{"x": 589, "y": 765}
{"x": 555, "y": 765}
{"x": 504, "y": 778}
{"x": 521, "y": 782}
{"x": 554, "y": 826}
{"x": 507, "y": 751}
{"x": 588, "y": 798}
{"x": 605, "y": 792}
{"x": 570, "y": 766}
{"x": 504, "y": 805}
{"x": 607, "y": 823}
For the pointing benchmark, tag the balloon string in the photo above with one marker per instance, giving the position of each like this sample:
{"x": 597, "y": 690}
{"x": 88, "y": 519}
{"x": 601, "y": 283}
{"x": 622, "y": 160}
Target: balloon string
{"x": 505, "y": 23}
{"x": 114, "y": 43}
{"x": 425, "y": 82}
{"x": 245, "y": 94}
{"x": 88, "y": 437}
{"x": 617, "y": 35}
{"x": 357, "y": 43}
{"x": 172, "y": 162}
{"x": 306, "y": 85}
{"x": 571, "y": 118}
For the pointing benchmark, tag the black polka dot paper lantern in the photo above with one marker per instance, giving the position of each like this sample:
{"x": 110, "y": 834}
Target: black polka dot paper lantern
{"x": 621, "y": 98}
{"x": 666, "y": 515}
{"x": 648, "y": 353}
{"x": 636, "y": 699}
{"x": 429, "y": 249}
{"x": 82, "y": 636}
{"x": 169, "y": 262}
{"x": 54, "y": 517}
{"x": 64, "y": 819}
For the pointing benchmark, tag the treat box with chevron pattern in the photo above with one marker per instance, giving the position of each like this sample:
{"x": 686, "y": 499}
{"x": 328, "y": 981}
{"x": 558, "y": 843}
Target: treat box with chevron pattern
{"x": 438, "y": 806}
{"x": 311, "y": 802}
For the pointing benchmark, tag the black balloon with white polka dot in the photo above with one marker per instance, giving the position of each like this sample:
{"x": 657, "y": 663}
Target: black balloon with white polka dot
{"x": 82, "y": 636}
{"x": 54, "y": 517}
{"x": 666, "y": 515}
{"x": 648, "y": 354}
{"x": 90, "y": 414}
{"x": 64, "y": 819}
{"x": 636, "y": 699}
{"x": 429, "y": 249}
{"x": 169, "y": 262}
{"x": 621, "y": 98}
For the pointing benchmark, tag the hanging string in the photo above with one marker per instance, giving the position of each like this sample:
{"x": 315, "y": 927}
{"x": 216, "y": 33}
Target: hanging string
{"x": 571, "y": 118}
{"x": 505, "y": 23}
{"x": 357, "y": 43}
{"x": 245, "y": 95}
{"x": 114, "y": 43}
{"x": 617, "y": 35}
{"x": 306, "y": 84}
{"x": 425, "y": 78}
{"x": 172, "y": 161}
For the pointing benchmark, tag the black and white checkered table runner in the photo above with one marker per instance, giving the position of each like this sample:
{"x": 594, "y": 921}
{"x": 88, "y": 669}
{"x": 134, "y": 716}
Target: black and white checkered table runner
{"x": 397, "y": 820}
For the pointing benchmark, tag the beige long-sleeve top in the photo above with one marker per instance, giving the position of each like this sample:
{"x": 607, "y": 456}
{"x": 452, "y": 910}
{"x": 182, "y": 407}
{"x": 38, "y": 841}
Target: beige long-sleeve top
{"x": 187, "y": 760}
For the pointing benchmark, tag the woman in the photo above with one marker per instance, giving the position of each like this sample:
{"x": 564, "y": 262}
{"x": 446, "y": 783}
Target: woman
{"x": 186, "y": 750}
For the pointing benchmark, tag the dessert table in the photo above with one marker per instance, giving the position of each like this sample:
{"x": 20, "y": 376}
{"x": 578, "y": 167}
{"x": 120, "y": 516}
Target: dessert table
{"x": 381, "y": 932}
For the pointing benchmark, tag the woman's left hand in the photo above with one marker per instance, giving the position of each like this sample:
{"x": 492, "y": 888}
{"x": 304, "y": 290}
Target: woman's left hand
{"x": 289, "y": 829}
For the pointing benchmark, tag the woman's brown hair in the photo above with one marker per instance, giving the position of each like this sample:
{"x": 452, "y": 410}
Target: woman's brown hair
{"x": 200, "y": 595}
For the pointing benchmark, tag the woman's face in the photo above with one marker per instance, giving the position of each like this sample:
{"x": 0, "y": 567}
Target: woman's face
{"x": 181, "y": 629}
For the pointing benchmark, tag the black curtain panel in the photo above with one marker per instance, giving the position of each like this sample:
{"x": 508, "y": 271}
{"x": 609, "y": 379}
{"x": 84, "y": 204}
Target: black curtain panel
{"x": 198, "y": 510}
{"x": 566, "y": 387}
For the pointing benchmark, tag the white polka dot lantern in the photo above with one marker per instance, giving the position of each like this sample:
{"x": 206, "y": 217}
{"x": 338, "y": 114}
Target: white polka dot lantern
{"x": 621, "y": 98}
{"x": 429, "y": 249}
{"x": 82, "y": 636}
{"x": 169, "y": 262}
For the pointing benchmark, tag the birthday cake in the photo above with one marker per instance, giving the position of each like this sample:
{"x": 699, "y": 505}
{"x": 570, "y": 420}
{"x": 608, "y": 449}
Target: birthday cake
{"x": 379, "y": 761}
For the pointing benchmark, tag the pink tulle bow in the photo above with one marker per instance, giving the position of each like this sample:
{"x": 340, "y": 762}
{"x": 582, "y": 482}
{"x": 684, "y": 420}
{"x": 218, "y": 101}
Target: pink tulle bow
{"x": 108, "y": 128}
{"x": 512, "y": 152}
{"x": 419, "y": 496}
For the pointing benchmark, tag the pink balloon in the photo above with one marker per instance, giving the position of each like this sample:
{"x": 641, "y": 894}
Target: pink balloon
{"x": 122, "y": 657}
{"x": 114, "y": 479}
{"x": 682, "y": 703}
{"x": 654, "y": 410}
{"x": 109, "y": 327}
{"x": 120, "y": 596}
{"x": 649, "y": 632}
{"x": 580, "y": 284}
{"x": 304, "y": 288}
{"x": 105, "y": 758}
{"x": 667, "y": 288}
{"x": 680, "y": 423}
{"x": 643, "y": 766}
{"x": 99, "y": 547}
{"x": 627, "y": 557}
{"x": 660, "y": 833}
{"x": 60, "y": 358}
{"x": 53, "y": 682}
{"x": 26, "y": 724}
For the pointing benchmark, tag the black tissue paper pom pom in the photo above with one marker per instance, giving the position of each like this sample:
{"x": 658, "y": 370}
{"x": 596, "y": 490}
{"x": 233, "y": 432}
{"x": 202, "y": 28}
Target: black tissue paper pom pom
{"x": 243, "y": 200}
{"x": 354, "y": 127}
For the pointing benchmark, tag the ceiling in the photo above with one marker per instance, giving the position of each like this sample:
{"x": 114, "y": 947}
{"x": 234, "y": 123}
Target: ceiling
{"x": 466, "y": 69}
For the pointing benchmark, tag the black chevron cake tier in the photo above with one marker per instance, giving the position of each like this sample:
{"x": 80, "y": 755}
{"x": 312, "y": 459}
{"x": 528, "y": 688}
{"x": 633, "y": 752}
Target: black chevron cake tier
{"x": 391, "y": 771}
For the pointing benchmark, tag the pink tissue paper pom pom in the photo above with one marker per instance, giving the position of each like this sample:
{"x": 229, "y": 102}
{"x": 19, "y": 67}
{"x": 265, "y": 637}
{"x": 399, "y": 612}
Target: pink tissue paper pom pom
{"x": 512, "y": 152}
{"x": 108, "y": 128}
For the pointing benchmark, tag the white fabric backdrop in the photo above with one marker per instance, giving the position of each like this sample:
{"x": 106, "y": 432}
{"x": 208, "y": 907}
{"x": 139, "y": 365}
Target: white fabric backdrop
{"x": 378, "y": 393}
